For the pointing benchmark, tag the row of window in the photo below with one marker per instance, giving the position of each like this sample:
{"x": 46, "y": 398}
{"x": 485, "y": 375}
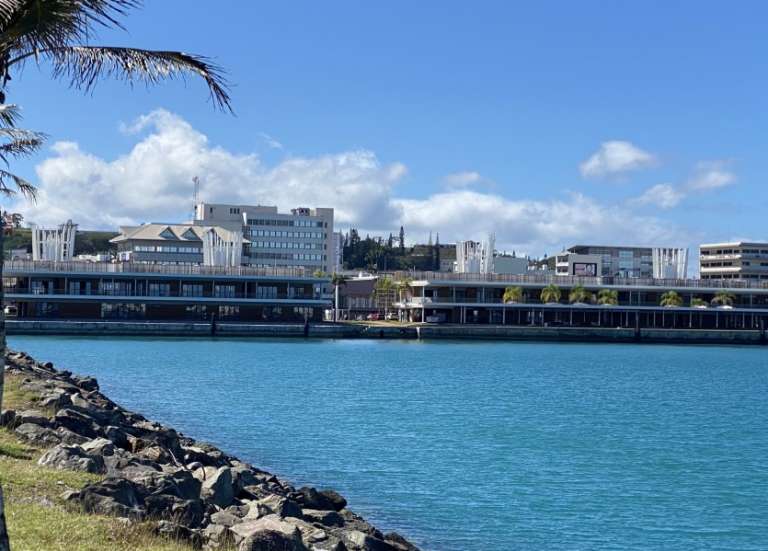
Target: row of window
{"x": 294, "y": 223}
{"x": 166, "y": 249}
{"x": 734, "y": 251}
{"x": 288, "y": 256}
{"x": 285, "y": 245}
{"x": 280, "y": 233}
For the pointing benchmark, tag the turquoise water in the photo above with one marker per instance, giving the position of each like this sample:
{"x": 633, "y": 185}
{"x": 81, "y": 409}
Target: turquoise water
{"x": 475, "y": 446}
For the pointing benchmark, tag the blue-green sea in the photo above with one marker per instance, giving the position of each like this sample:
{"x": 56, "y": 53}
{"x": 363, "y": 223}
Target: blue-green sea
{"x": 475, "y": 445}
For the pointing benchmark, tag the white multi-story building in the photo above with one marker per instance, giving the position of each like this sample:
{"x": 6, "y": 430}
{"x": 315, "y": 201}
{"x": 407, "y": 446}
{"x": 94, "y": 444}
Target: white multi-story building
{"x": 738, "y": 260}
{"x": 627, "y": 262}
{"x": 301, "y": 238}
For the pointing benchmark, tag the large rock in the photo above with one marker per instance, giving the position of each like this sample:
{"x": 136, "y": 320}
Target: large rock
{"x": 114, "y": 497}
{"x": 360, "y": 541}
{"x": 217, "y": 486}
{"x": 37, "y": 435}
{"x": 72, "y": 458}
{"x": 178, "y": 532}
{"x": 218, "y": 536}
{"x": 327, "y": 500}
{"x": 258, "y": 535}
{"x": 31, "y": 416}
{"x": 76, "y": 421}
{"x": 324, "y": 517}
{"x": 273, "y": 505}
{"x": 7, "y": 418}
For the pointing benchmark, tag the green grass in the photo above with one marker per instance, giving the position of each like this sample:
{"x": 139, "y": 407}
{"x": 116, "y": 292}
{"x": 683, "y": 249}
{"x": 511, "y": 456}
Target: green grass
{"x": 39, "y": 519}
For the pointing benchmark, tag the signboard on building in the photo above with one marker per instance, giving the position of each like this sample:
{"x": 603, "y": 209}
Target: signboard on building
{"x": 585, "y": 269}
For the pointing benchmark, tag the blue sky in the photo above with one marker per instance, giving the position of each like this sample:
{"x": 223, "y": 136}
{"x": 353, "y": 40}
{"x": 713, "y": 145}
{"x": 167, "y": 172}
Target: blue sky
{"x": 455, "y": 117}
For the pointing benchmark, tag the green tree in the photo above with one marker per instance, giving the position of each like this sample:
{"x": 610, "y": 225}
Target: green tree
{"x": 551, "y": 293}
{"x": 608, "y": 297}
{"x": 512, "y": 294}
{"x": 671, "y": 299}
{"x": 402, "y": 285}
{"x": 697, "y": 302}
{"x": 579, "y": 294}
{"x": 56, "y": 34}
{"x": 724, "y": 298}
{"x": 382, "y": 291}
{"x": 401, "y": 241}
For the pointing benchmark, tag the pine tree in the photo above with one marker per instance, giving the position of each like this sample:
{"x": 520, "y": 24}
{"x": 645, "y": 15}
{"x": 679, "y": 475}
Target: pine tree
{"x": 402, "y": 241}
{"x": 437, "y": 252}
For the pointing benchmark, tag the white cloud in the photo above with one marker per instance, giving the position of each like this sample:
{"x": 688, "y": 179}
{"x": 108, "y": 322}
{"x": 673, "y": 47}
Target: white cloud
{"x": 615, "y": 158}
{"x": 271, "y": 142}
{"x": 153, "y": 182}
{"x": 664, "y": 196}
{"x": 462, "y": 179}
{"x": 711, "y": 175}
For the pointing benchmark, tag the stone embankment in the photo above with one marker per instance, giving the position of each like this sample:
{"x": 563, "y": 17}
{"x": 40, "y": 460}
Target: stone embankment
{"x": 192, "y": 491}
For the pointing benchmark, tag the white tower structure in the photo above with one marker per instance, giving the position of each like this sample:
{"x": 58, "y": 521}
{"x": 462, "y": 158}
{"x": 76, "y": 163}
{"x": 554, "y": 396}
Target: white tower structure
{"x": 670, "y": 263}
{"x": 56, "y": 245}
{"x": 222, "y": 248}
{"x": 474, "y": 257}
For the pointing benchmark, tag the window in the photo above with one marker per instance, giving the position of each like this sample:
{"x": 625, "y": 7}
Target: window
{"x": 224, "y": 291}
{"x": 159, "y": 289}
{"x": 192, "y": 290}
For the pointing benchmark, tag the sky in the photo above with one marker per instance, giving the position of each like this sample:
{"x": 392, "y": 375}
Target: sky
{"x": 547, "y": 123}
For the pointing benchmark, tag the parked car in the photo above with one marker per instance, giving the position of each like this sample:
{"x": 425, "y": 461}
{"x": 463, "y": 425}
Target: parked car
{"x": 392, "y": 316}
{"x": 373, "y": 317}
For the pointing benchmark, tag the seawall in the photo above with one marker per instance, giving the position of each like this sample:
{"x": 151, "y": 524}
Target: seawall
{"x": 345, "y": 331}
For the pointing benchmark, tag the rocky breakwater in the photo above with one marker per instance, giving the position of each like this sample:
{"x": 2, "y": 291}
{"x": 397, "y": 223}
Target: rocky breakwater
{"x": 191, "y": 490}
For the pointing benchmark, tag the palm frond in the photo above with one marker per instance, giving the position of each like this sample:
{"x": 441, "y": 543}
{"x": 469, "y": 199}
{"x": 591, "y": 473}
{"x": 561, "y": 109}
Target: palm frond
{"x": 10, "y": 184}
{"x": 9, "y": 113}
{"x": 83, "y": 66}
{"x": 20, "y": 144}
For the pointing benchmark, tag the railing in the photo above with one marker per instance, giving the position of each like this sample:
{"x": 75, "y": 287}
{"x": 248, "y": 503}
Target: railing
{"x": 570, "y": 281}
{"x": 145, "y": 294}
{"x": 29, "y": 266}
{"x": 418, "y": 302}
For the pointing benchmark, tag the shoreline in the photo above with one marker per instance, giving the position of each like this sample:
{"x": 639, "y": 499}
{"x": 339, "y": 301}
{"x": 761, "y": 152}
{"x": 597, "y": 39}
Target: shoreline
{"x": 190, "y": 490}
{"x": 383, "y": 331}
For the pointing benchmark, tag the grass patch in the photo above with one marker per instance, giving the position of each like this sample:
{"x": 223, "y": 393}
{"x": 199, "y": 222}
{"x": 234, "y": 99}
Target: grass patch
{"x": 37, "y": 516}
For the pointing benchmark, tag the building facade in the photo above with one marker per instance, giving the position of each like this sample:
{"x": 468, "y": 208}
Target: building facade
{"x": 738, "y": 260}
{"x": 624, "y": 262}
{"x": 302, "y": 238}
{"x": 151, "y": 291}
{"x": 182, "y": 244}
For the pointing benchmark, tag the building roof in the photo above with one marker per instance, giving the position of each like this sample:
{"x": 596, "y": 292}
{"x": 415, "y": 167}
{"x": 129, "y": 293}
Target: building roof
{"x": 735, "y": 244}
{"x": 173, "y": 232}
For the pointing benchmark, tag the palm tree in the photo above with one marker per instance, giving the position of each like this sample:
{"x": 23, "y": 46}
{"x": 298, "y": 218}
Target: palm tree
{"x": 337, "y": 280}
{"x": 608, "y": 297}
{"x": 551, "y": 293}
{"x": 697, "y": 302}
{"x": 402, "y": 285}
{"x": 382, "y": 290}
{"x": 512, "y": 294}
{"x": 56, "y": 34}
{"x": 671, "y": 299}
{"x": 724, "y": 298}
{"x": 16, "y": 143}
{"x": 579, "y": 295}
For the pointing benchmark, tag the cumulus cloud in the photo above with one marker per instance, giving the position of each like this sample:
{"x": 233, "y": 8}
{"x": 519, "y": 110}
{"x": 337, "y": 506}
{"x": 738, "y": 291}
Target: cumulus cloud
{"x": 462, "y": 179}
{"x": 711, "y": 175}
{"x": 615, "y": 158}
{"x": 664, "y": 196}
{"x": 153, "y": 182}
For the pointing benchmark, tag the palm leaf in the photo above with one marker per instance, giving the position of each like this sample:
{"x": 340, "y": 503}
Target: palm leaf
{"x": 83, "y": 66}
{"x": 10, "y": 184}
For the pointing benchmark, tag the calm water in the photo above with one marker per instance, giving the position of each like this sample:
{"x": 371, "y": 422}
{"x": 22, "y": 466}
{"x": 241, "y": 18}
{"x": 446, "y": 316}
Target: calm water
{"x": 475, "y": 446}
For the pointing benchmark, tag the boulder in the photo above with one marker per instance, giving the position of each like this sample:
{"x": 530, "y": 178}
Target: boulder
{"x": 217, "y": 487}
{"x": 189, "y": 512}
{"x": 86, "y": 383}
{"x": 218, "y": 536}
{"x": 242, "y": 476}
{"x": 37, "y": 435}
{"x": 116, "y": 435}
{"x": 75, "y": 421}
{"x": 273, "y": 505}
{"x": 258, "y": 535}
{"x": 400, "y": 542}
{"x": 178, "y": 532}
{"x": 224, "y": 518}
{"x": 31, "y": 416}
{"x": 333, "y": 498}
{"x": 7, "y": 418}
{"x": 114, "y": 497}
{"x": 99, "y": 446}
{"x": 72, "y": 458}
{"x": 326, "y": 518}
{"x": 360, "y": 541}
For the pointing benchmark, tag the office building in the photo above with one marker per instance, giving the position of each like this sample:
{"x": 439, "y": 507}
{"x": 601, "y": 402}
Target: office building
{"x": 625, "y": 262}
{"x": 301, "y": 238}
{"x": 738, "y": 260}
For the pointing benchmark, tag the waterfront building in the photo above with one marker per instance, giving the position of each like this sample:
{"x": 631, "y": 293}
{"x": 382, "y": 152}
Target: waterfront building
{"x": 618, "y": 261}
{"x": 301, "y": 238}
{"x": 157, "y": 291}
{"x": 54, "y": 244}
{"x": 736, "y": 260}
{"x": 182, "y": 244}
{"x": 478, "y": 299}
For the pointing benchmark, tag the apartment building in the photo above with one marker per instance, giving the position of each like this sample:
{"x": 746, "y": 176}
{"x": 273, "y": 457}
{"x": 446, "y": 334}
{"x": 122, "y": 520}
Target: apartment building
{"x": 739, "y": 260}
{"x": 301, "y": 238}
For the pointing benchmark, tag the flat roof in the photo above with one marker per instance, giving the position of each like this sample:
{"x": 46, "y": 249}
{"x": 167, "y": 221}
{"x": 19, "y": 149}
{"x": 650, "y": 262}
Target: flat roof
{"x": 735, "y": 244}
